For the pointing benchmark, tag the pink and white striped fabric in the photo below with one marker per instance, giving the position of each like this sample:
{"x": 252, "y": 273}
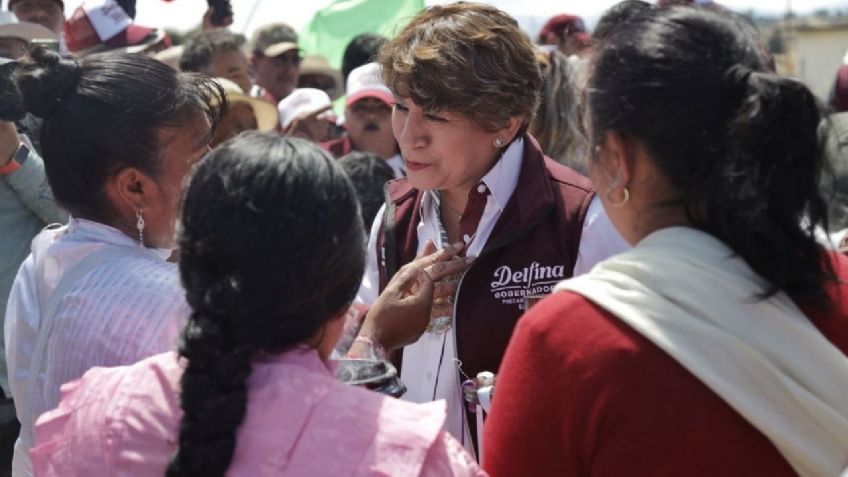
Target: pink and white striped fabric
{"x": 126, "y": 308}
{"x": 300, "y": 421}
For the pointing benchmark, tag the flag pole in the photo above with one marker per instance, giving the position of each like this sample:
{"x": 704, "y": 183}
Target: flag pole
{"x": 250, "y": 16}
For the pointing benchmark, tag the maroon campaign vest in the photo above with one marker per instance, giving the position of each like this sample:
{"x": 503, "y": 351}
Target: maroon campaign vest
{"x": 532, "y": 247}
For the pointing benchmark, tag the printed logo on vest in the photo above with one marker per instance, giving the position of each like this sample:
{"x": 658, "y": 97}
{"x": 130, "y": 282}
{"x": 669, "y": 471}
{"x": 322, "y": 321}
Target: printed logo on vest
{"x": 512, "y": 286}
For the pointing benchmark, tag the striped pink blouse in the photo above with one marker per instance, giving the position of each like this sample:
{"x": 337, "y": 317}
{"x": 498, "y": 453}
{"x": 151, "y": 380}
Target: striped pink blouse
{"x": 300, "y": 421}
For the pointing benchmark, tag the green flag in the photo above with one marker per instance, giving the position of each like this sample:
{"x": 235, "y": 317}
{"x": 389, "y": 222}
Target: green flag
{"x": 332, "y": 27}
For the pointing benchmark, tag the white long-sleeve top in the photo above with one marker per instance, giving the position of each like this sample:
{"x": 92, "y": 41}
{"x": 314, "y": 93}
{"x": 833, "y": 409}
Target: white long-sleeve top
{"x": 126, "y": 308}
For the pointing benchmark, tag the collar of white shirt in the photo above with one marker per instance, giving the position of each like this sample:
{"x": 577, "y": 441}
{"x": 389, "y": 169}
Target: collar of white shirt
{"x": 82, "y": 230}
{"x": 501, "y": 179}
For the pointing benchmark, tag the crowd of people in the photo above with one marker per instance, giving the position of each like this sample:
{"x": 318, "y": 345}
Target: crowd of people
{"x": 584, "y": 253}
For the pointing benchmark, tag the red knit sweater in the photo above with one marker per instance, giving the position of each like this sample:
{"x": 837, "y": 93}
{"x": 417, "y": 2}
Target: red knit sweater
{"x": 580, "y": 393}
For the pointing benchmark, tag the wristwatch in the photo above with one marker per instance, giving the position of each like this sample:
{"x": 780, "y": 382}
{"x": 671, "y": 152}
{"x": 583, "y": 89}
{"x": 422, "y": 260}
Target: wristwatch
{"x": 16, "y": 162}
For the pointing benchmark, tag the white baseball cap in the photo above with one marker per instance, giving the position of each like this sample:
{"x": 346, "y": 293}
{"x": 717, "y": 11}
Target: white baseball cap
{"x": 99, "y": 25}
{"x": 301, "y": 101}
{"x": 367, "y": 82}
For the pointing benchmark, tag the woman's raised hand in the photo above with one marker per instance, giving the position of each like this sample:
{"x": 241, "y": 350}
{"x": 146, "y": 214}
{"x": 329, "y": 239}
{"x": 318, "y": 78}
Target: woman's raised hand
{"x": 402, "y": 312}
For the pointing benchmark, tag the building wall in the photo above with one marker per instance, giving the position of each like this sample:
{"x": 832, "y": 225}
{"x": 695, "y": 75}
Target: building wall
{"x": 818, "y": 55}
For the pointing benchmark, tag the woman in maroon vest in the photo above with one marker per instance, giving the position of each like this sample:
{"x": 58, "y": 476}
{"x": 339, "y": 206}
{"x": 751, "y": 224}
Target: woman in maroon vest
{"x": 466, "y": 84}
{"x": 717, "y": 345}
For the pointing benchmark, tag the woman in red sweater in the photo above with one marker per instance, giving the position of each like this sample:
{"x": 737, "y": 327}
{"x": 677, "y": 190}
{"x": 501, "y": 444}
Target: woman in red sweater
{"x": 717, "y": 345}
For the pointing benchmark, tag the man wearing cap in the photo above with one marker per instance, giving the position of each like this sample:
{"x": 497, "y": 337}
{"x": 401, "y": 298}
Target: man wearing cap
{"x": 243, "y": 113}
{"x": 276, "y": 62}
{"x": 306, "y": 113}
{"x": 368, "y": 118}
{"x": 566, "y": 32}
{"x": 103, "y": 25}
{"x": 316, "y": 72}
{"x": 15, "y": 35}
{"x": 47, "y": 13}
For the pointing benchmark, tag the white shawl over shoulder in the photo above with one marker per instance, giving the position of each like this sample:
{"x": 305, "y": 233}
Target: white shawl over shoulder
{"x": 687, "y": 292}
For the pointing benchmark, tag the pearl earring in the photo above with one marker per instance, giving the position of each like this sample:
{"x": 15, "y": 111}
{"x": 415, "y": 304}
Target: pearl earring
{"x": 499, "y": 142}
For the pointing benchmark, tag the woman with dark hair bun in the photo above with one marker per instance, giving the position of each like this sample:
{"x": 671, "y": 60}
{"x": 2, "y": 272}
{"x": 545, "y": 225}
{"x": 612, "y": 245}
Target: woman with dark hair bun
{"x": 120, "y": 133}
{"x": 271, "y": 256}
{"x": 718, "y": 344}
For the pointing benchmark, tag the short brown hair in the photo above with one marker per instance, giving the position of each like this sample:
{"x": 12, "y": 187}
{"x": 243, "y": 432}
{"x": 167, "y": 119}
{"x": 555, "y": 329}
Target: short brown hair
{"x": 466, "y": 58}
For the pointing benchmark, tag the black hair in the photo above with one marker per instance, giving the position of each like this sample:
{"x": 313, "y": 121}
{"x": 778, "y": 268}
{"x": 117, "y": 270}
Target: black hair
{"x": 740, "y": 145}
{"x": 272, "y": 248}
{"x": 361, "y": 50}
{"x": 102, "y": 113}
{"x": 616, "y": 15}
{"x": 369, "y": 173}
{"x": 200, "y": 47}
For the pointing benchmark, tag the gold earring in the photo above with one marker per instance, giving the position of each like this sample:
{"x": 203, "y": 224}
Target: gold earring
{"x": 625, "y": 192}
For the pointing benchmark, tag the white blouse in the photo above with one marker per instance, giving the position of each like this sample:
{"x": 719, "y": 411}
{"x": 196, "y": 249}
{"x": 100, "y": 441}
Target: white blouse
{"x": 128, "y": 306}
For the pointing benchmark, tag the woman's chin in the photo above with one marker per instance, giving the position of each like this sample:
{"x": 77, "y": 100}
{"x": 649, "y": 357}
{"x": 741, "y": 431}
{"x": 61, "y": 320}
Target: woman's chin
{"x": 422, "y": 181}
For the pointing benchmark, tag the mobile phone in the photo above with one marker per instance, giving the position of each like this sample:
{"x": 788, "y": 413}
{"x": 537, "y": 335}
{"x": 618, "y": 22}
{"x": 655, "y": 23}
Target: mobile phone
{"x": 48, "y": 43}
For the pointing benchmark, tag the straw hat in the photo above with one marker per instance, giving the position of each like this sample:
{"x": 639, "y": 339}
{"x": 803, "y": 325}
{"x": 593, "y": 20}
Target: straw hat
{"x": 266, "y": 113}
{"x": 11, "y": 27}
{"x": 318, "y": 65}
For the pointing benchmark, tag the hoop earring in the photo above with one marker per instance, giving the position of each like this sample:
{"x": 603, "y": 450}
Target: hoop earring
{"x": 140, "y": 226}
{"x": 499, "y": 142}
{"x": 623, "y": 201}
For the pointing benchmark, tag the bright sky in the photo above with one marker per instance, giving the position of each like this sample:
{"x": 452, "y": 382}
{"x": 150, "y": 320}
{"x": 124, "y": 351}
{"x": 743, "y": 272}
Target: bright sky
{"x": 249, "y": 14}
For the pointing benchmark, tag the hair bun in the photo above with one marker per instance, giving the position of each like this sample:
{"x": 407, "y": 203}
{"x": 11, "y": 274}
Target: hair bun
{"x": 45, "y": 79}
{"x": 738, "y": 77}
{"x": 11, "y": 106}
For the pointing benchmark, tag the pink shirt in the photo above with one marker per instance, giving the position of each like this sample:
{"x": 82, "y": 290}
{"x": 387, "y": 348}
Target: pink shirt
{"x": 300, "y": 421}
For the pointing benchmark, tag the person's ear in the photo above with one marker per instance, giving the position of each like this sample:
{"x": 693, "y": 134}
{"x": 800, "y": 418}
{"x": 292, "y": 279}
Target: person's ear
{"x": 618, "y": 158}
{"x": 132, "y": 190}
{"x": 508, "y": 132}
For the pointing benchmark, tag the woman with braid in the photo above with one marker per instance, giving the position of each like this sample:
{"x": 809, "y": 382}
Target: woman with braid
{"x": 272, "y": 252}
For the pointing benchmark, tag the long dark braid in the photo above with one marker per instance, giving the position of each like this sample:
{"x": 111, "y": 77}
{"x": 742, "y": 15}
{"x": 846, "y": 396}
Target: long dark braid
{"x": 271, "y": 248}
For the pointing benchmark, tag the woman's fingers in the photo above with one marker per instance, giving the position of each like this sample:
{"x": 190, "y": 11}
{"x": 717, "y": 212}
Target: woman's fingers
{"x": 445, "y": 288}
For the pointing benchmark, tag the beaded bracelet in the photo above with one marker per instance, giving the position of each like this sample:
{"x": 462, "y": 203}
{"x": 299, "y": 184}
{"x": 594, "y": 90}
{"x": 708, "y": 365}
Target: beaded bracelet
{"x": 375, "y": 351}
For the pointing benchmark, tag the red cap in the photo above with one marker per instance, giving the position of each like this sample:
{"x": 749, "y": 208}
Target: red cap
{"x": 133, "y": 35}
{"x": 564, "y": 26}
{"x": 103, "y": 25}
